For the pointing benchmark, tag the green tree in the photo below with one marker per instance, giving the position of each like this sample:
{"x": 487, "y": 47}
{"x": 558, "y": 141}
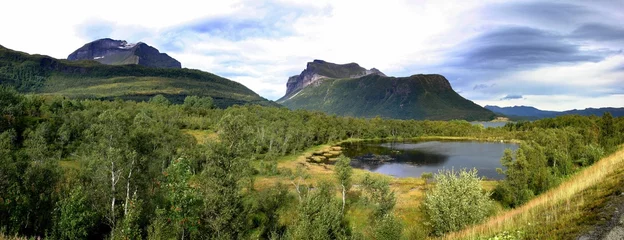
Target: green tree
{"x": 379, "y": 194}
{"x": 343, "y": 173}
{"x": 388, "y": 228}
{"x": 319, "y": 216}
{"x": 160, "y": 100}
{"x": 456, "y": 201}
{"x": 74, "y": 217}
{"x": 183, "y": 201}
{"x": 130, "y": 227}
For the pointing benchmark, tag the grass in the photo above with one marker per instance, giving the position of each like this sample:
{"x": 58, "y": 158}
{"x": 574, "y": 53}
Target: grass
{"x": 202, "y": 136}
{"x": 563, "y": 212}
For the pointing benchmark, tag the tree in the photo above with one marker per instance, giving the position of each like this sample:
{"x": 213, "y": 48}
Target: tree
{"x": 607, "y": 130}
{"x": 456, "y": 201}
{"x": 426, "y": 176}
{"x": 297, "y": 179}
{"x": 388, "y": 228}
{"x": 130, "y": 225}
{"x": 319, "y": 216}
{"x": 160, "y": 100}
{"x": 379, "y": 194}
{"x": 74, "y": 217}
{"x": 183, "y": 201}
{"x": 343, "y": 173}
{"x": 198, "y": 105}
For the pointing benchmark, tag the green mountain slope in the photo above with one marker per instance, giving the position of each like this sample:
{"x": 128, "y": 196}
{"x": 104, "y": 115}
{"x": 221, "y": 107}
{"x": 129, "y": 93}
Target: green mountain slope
{"x": 90, "y": 79}
{"x": 414, "y": 97}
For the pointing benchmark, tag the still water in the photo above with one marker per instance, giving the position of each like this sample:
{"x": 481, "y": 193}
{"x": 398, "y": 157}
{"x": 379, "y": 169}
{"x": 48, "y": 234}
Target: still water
{"x": 411, "y": 159}
{"x": 490, "y": 124}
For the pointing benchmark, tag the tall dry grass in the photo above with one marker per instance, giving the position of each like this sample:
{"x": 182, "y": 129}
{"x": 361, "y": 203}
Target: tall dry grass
{"x": 554, "y": 204}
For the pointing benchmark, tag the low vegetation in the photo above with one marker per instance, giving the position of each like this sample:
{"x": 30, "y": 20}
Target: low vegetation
{"x": 125, "y": 170}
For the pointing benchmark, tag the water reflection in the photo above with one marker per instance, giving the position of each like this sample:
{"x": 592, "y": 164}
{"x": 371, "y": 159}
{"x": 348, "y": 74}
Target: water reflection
{"x": 411, "y": 159}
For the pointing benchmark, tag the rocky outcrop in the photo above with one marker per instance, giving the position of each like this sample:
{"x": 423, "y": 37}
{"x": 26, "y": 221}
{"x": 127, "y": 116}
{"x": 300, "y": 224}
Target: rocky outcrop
{"x": 319, "y": 69}
{"x": 119, "y": 52}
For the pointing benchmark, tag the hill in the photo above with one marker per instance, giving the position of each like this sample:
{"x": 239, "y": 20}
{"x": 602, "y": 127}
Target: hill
{"x": 90, "y": 79}
{"x": 527, "y": 112}
{"x": 119, "y": 52}
{"x": 415, "y": 97}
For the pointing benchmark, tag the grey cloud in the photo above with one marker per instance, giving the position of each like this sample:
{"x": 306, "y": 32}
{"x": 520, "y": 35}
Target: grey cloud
{"x": 511, "y": 96}
{"x": 599, "y": 32}
{"x": 517, "y": 47}
{"x": 559, "y": 14}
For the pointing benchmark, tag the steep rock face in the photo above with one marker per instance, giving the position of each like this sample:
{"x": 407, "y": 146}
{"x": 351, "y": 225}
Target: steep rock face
{"x": 319, "y": 69}
{"x": 415, "y": 97}
{"x": 119, "y": 52}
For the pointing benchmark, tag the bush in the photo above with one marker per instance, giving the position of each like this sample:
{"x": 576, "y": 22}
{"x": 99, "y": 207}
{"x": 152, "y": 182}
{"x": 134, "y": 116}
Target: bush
{"x": 456, "y": 201}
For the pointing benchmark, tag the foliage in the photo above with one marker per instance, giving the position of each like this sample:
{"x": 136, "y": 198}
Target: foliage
{"x": 343, "y": 172}
{"x": 379, "y": 194}
{"x": 74, "y": 217}
{"x": 124, "y": 169}
{"x": 319, "y": 216}
{"x": 456, "y": 201}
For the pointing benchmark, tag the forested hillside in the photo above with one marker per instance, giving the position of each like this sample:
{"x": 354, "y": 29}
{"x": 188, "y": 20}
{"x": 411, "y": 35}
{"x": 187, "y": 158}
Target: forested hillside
{"x": 92, "y": 80}
{"x": 84, "y": 169}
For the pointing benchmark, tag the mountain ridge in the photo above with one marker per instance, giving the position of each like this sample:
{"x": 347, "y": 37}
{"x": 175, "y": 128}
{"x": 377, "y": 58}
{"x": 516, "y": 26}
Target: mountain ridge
{"x": 420, "y": 96}
{"x": 320, "y": 69}
{"x": 119, "y": 52}
{"x": 40, "y": 74}
{"x": 535, "y": 113}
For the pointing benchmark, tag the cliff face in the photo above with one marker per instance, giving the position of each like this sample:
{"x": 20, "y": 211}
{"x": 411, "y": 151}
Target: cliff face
{"x": 119, "y": 52}
{"x": 319, "y": 69}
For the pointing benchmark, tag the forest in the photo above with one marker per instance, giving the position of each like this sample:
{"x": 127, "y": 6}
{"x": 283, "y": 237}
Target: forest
{"x": 95, "y": 169}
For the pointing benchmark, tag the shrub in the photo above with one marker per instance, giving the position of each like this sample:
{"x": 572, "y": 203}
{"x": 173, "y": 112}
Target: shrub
{"x": 456, "y": 201}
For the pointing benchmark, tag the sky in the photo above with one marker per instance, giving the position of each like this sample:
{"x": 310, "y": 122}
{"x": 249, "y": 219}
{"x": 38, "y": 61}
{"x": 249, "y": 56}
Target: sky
{"x": 554, "y": 55}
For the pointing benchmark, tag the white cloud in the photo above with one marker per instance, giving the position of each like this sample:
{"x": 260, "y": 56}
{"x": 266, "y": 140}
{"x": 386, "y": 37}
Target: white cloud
{"x": 398, "y": 37}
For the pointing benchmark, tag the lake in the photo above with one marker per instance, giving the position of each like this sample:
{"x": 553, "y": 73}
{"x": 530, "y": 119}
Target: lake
{"x": 490, "y": 124}
{"x": 411, "y": 159}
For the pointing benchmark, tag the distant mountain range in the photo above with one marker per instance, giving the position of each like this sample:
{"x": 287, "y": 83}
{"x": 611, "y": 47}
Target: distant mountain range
{"x": 528, "y": 112}
{"x": 351, "y": 90}
{"x": 91, "y": 79}
{"x": 119, "y": 52}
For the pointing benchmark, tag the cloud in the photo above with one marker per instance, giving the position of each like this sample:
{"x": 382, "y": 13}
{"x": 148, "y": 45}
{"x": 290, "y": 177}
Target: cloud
{"x": 485, "y": 48}
{"x": 483, "y": 86}
{"x": 520, "y": 47}
{"x": 599, "y": 32}
{"x": 512, "y": 96}
{"x": 95, "y": 29}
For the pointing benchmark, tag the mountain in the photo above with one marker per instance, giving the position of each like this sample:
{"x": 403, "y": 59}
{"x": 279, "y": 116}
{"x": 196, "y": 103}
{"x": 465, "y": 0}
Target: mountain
{"x": 528, "y": 112}
{"x": 374, "y": 94}
{"x": 90, "y": 79}
{"x": 319, "y": 69}
{"x": 119, "y": 52}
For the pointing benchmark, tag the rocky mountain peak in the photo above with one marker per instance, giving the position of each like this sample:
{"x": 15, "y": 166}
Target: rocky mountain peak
{"x": 320, "y": 69}
{"x": 120, "y": 52}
